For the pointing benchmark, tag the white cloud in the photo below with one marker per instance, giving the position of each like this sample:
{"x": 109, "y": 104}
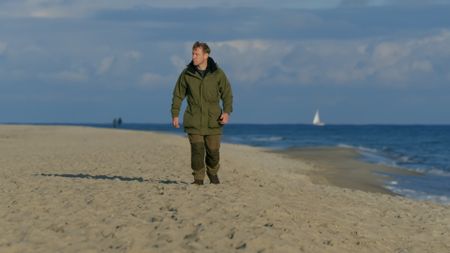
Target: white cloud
{"x": 243, "y": 46}
{"x": 393, "y": 62}
{"x": 72, "y": 76}
{"x": 49, "y": 13}
{"x": 389, "y": 53}
{"x": 410, "y": 2}
{"x": 105, "y": 65}
{"x": 81, "y": 8}
{"x": 422, "y": 66}
{"x": 390, "y": 2}
{"x": 79, "y": 75}
{"x": 253, "y": 58}
{"x": 133, "y": 55}
{"x": 3, "y": 47}
{"x": 390, "y": 62}
{"x": 152, "y": 80}
{"x": 178, "y": 62}
{"x": 448, "y": 77}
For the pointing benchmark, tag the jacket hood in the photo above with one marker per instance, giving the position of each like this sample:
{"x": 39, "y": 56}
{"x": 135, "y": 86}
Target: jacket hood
{"x": 212, "y": 66}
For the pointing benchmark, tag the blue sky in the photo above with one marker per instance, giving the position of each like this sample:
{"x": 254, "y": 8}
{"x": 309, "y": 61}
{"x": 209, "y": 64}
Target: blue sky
{"x": 359, "y": 62}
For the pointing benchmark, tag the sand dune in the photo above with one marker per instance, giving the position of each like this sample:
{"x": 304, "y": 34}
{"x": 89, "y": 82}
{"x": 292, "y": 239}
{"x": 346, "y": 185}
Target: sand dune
{"x": 77, "y": 189}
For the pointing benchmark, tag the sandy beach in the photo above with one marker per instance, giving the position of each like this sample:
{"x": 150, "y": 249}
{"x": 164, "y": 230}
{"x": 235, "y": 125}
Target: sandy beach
{"x": 79, "y": 189}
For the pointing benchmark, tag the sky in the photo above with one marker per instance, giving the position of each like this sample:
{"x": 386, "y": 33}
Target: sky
{"x": 357, "y": 61}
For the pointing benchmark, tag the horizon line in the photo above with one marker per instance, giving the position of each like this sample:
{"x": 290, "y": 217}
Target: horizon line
{"x": 237, "y": 123}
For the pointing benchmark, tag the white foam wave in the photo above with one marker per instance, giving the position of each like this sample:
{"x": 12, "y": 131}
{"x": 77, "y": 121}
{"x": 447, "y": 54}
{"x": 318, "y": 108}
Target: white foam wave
{"x": 373, "y": 156}
{"x": 393, "y": 183}
{"x": 405, "y": 159}
{"x": 439, "y": 172}
{"x": 345, "y": 146}
{"x": 268, "y": 139}
{"x": 434, "y": 171}
{"x": 442, "y": 199}
{"x": 360, "y": 148}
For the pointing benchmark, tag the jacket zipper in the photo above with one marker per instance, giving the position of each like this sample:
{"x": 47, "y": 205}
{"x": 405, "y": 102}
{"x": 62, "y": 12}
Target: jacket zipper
{"x": 201, "y": 104}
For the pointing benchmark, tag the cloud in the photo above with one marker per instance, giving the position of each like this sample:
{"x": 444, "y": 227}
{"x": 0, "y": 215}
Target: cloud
{"x": 368, "y": 3}
{"x": 133, "y": 55}
{"x": 393, "y": 62}
{"x": 150, "y": 80}
{"x": 105, "y": 65}
{"x": 412, "y": 60}
{"x": 85, "y": 8}
{"x": 355, "y": 2}
{"x": 178, "y": 62}
{"x": 301, "y": 48}
{"x": 3, "y": 47}
{"x": 254, "y": 58}
{"x": 36, "y": 8}
{"x": 79, "y": 75}
{"x": 412, "y": 2}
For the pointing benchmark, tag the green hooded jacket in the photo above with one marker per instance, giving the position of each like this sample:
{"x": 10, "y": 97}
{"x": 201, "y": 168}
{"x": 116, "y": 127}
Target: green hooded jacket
{"x": 203, "y": 99}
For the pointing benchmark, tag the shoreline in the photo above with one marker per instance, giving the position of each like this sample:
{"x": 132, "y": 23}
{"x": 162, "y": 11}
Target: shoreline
{"x": 84, "y": 189}
{"x": 342, "y": 167}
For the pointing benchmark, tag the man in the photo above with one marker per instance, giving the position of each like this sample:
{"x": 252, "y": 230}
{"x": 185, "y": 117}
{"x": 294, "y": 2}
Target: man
{"x": 204, "y": 84}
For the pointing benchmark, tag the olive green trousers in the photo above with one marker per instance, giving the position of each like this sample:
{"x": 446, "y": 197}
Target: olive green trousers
{"x": 204, "y": 151}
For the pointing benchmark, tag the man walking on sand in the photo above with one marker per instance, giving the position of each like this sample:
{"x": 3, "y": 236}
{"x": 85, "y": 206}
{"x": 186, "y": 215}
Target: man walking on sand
{"x": 204, "y": 84}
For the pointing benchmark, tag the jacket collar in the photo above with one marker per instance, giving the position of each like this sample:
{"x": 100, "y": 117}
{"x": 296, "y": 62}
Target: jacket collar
{"x": 211, "y": 67}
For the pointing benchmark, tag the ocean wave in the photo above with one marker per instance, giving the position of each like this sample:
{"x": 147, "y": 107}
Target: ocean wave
{"x": 405, "y": 159}
{"x": 418, "y": 195}
{"x": 267, "y": 139}
{"x": 360, "y": 148}
{"x": 393, "y": 183}
{"x": 433, "y": 171}
{"x": 439, "y": 172}
{"x": 421, "y": 170}
{"x": 400, "y": 161}
{"x": 376, "y": 157}
{"x": 254, "y": 140}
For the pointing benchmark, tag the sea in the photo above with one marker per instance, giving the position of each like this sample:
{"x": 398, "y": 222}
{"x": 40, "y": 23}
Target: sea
{"x": 419, "y": 148}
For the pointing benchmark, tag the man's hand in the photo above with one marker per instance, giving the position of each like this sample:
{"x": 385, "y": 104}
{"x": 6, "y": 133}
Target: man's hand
{"x": 224, "y": 118}
{"x": 175, "y": 122}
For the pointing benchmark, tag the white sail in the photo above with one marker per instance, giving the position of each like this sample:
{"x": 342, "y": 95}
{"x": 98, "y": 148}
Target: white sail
{"x": 316, "y": 120}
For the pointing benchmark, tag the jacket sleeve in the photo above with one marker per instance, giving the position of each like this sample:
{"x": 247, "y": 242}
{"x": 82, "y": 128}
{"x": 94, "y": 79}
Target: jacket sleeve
{"x": 226, "y": 94}
{"x": 179, "y": 93}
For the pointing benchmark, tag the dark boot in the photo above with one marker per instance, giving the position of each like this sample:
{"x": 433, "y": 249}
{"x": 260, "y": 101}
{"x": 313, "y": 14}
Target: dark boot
{"x": 214, "y": 179}
{"x": 197, "y": 182}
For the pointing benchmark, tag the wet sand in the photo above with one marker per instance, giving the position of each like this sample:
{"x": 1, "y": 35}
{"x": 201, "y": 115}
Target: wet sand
{"x": 343, "y": 167}
{"x": 79, "y": 189}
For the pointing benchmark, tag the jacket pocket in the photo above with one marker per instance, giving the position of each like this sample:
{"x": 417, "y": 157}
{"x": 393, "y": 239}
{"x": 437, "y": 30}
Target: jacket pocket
{"x": 191, "y": 118}
{"x": 187, "y": 119}
{"x": 214, "y": 113}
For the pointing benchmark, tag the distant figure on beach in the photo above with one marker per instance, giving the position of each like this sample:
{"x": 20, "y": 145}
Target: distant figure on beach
{"x": 117, "y": 122}
{"x": 204, "y": 84}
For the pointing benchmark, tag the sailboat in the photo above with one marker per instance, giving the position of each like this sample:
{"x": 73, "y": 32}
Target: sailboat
{"x": 316, "y": 120}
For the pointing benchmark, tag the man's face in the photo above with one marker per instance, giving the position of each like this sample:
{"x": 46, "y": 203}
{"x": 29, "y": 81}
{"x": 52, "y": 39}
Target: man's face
{"x": 199, "y": 57}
